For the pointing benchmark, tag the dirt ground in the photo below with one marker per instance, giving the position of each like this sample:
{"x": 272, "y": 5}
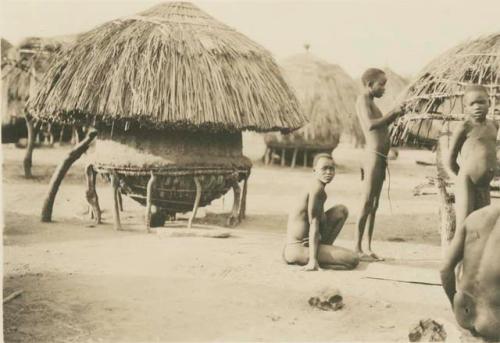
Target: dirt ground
{"x": 84, "y": 283}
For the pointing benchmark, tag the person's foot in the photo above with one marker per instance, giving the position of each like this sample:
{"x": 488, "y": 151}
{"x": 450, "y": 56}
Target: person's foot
{"x": 375, "y": 257}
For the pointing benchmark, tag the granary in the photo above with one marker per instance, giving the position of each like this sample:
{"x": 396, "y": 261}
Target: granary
{"x": 434, "y": 97}
{"x": 434, "y": 106}
{"x": 327, "y": 95}
{"x": 169, "y": 91}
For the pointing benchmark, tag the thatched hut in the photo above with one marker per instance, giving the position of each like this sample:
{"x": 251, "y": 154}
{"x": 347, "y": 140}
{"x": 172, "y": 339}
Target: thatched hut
{"x": 5, "y": 47}
{"x": 434, "y": 98}
{"x": 21, "y": 73}
{"x": 327, "y": 95}
{"x": 434, "y": 106}
{"x": 169, "y": 91}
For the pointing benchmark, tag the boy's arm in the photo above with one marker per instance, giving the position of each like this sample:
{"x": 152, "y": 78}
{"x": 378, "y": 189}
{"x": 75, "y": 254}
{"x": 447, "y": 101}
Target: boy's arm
{"x": 366, "y": 115}
{"x": 457, "y": 140}
{"x": 453, "y": 257}
{"x": 314, "y": 207}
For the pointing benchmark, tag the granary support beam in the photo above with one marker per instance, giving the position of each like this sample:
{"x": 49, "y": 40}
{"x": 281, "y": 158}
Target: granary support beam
{"x": 196, "y": 201}
{"x": 33, "y": 128}
{"x": 116, "y": 207}
{"x": 149, "y": 200}
{"x": 91, "y": 194}
{"x": 61, "y": 171}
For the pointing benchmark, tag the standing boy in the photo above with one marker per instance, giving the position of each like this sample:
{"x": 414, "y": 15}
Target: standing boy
{"x": 475, "y": 140}
{"x": 375, "y": 129}
{"x": 311, "y": 230}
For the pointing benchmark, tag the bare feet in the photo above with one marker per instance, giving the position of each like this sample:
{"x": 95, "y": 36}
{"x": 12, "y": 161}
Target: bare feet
{"x": 369, "y": 257}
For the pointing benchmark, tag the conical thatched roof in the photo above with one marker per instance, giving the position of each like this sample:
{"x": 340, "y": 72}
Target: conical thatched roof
{"x": 20, "y": 76}
{"x": 170, "y": 66}
{"x": 435, "y": 95}
{"x": 4, "y": 47}
{"x": 327, "y": 95}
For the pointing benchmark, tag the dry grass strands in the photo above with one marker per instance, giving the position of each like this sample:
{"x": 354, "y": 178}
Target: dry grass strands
{"x": 170, "y": 66}
{"x": 327, "y": 95}
{"x": 435, "y": 95}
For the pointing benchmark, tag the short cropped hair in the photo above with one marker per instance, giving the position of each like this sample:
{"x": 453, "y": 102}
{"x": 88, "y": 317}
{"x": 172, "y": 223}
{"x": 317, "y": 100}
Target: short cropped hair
{"x": 371, "y": 75}
{"x": 320, "y": 156}
{"x": 476, "y": 88}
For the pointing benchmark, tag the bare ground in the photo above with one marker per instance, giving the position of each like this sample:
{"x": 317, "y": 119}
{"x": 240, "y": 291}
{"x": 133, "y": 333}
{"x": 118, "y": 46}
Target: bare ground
{"x": 90, "y": 284}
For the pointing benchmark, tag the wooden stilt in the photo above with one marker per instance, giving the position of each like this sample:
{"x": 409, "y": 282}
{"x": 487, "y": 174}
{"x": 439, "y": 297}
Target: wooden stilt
{"x": 61, "y": 171}
{"x": 234, "y": 216}
{"x": 305, "y": 158}
{"x": 91, "y": 194}
{"x": 196, "y": 201}
{"x": 294, "y": 158}
{"x": 61, "y": 135}
{"x": 149, "y": 203}
{"x": 283, "y": 162}
{"x": 267, "y": 156}
{"x": 243, "y": 203}
{"x": 116, "y": 210}
{"x": 120, "y": 201}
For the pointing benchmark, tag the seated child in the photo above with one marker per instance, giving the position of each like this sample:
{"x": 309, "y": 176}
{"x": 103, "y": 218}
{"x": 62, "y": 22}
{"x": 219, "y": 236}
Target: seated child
{"x": 475, "y": 140}
{"x": 471, "y": 273}
{"x": 311, "y": 230}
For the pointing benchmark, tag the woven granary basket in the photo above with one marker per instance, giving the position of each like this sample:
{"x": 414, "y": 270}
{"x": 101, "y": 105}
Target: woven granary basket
{"x": 176, "y": 159}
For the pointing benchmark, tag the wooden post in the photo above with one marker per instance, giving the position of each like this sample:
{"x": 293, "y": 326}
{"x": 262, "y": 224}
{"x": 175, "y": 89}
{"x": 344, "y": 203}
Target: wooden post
{"x": 446, "y": 209}
{"x": 305, "y": 158}
{"x": 61, "y": 171}
{"x": 234, "y": 216}
{"x": 91, "y": 194}
{"x": 283, "y": 157}
{"x": 243, "y": 203}
{"x": 149, "y": 195}
{"x": 267, "y": 156}
{"x": 33, "y": 129}
{"x": 61, "y": 134}
{"x": 294, "y": 158}
{"x": 116, "y": 210}
{"x": 120, "y": 201}
{"x": 196, "y": 201}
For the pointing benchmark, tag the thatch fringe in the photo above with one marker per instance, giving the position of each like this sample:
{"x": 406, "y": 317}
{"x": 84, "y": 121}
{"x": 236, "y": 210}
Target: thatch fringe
{"x": 435, "y": 95}
{"x": 327, "y": 95}
{"x": 172, "y": 65}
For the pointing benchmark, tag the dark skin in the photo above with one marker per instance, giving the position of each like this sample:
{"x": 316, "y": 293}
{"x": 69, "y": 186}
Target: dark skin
{"x": 474, "y": 291}
{"x": 311, "y": 230}
{"x": 475, "y": 140}
{"x": 375, "y": 128}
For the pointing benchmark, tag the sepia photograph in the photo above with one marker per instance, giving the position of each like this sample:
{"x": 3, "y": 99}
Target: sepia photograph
{"x": 250, "y": 171}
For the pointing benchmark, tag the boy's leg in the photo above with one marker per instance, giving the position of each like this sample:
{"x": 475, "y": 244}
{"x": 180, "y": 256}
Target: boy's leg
{"x": 366, "y": 202}
{"x": 335, "y": 218}
{"x": 464, "y": 198}
{"x": 371, "y": 223}
{"x": 328, "y": 255}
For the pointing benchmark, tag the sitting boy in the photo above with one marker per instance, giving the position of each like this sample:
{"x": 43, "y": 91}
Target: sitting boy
{"x": 471, "y": 273}
{"x": 311, "y": 231}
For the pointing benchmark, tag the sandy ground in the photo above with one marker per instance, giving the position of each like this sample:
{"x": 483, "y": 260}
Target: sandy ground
{"x": 92, "y": 284}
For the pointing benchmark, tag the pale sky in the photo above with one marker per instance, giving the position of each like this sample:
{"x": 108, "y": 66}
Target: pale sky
{"x": 356, "y": 34}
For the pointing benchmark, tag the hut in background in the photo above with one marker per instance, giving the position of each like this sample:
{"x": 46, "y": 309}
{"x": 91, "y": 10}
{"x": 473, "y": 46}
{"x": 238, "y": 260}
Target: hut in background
{"x": 434, "y": 106}
{"x": 327, "y": 95}
{"x": 169, "y": 91}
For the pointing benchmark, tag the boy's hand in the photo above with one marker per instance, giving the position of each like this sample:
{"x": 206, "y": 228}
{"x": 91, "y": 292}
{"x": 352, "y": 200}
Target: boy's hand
{"x": 311, "y": 266}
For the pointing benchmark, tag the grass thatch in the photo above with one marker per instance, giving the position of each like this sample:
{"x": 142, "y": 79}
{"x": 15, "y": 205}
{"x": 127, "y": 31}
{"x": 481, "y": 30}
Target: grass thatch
{"x": 435, "y": 95}
{"x": 21, "y": 74}
{"x": 170, "y": 66}
{"x": 327, "y": 95}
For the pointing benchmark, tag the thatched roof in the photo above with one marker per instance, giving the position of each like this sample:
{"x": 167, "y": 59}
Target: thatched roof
{"x": 435, "y": 95}
{"x": 327, "y": 95}
{"x": 21, "y": 75}
{"x": 170, "y": 66}
{"x": 4, "y": 47}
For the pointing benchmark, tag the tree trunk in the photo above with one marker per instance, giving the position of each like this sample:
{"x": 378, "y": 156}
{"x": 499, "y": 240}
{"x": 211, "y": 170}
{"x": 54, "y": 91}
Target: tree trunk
{"x": 61, "y": 171}
{"x": 30, "y": 146}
